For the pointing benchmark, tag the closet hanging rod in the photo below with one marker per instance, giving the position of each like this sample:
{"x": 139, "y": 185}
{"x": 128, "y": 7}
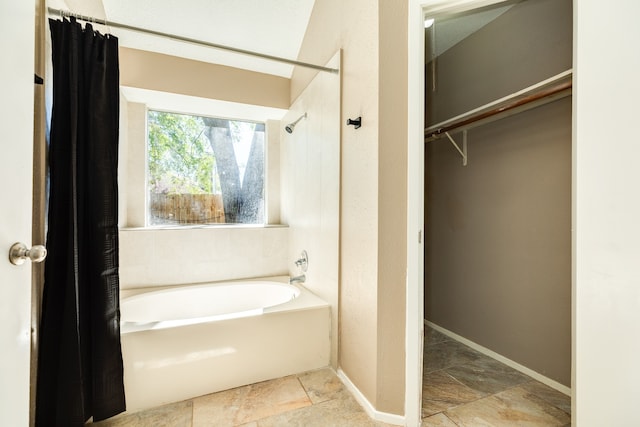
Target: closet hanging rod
{"x": 64, "y": 13}
{"x": 465, "y": 120}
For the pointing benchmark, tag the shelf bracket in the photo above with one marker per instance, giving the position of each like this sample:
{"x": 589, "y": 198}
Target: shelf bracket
{"x": 463, "y": 151}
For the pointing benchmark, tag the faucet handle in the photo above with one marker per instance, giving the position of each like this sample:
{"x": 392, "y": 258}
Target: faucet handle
{"x": 303, "y": 261}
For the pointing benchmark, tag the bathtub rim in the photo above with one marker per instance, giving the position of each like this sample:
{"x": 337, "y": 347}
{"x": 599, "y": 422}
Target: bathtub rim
{"x": 284, "y": 292}
{"x": 132, "y": 290}
{"x": 306, "y": 300}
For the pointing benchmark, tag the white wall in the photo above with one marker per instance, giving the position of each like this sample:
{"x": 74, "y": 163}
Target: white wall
{"x": 272, "y": 169}
{"x": 151, "y": 257}
{"x": 134, "y": 171}
{"x": 606, "y": 223}
{"x": 310, "y": 176}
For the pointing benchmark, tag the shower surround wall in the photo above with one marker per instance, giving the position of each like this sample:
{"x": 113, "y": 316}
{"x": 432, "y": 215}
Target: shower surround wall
{"x": 151, "y": 257}
{"x": 310, "y": 177}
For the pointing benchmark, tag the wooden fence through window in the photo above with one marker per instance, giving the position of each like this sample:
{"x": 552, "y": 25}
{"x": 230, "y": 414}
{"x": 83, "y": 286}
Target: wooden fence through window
{"x": 186, "y": 208}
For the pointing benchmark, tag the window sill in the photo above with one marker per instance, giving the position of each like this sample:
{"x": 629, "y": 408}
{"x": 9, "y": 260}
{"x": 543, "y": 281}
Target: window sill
{"x": 204, "y": 226}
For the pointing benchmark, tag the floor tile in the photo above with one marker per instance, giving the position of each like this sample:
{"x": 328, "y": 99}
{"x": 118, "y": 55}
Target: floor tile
{"x": 172, "y": 415}
{"x": 513, "y": 407}
{"x": 431, "y": 336}
{"x": 438, "y": 420}
{"x": 554, "y": 397}
{"x": 441, "y": 392}
{"x": 345, "y": 412}
{"x": 250, "y": 403}
{"x": 219, "y": 409}
{"x": 322, "y": 385}
{"x": 487, "y": 375}
{"x": 446, "y": 354}
{"x": 271, "y": 398}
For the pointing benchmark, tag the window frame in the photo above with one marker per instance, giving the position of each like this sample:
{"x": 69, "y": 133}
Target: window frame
{"x": 265, "y": 205}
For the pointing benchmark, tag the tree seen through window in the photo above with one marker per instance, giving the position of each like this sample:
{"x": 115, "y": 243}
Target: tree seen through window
{"x": 204, "y": 170}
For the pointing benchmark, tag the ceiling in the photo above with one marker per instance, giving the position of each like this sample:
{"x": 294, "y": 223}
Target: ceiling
{"x": 273, "y": 27}
{"x": 450, "y": 30}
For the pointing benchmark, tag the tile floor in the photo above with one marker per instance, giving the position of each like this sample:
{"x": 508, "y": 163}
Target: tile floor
{"x": 464, "y": 388}
{"x": 316, "y": 398}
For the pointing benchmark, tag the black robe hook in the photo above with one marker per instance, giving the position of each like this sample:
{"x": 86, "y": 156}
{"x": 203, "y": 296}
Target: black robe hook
{"x": 355, "y": 122}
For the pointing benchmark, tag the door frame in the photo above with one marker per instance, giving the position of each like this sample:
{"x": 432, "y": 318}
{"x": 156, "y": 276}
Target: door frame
{"x": 414, "y": 334}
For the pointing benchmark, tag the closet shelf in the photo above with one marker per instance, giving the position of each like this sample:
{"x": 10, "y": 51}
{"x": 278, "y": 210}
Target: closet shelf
{"x": 551, "y": 89}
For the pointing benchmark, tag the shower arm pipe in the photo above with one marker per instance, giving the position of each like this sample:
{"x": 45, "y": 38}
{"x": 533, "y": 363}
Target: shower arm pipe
{"x": 466, "y": 120}
{"x": 304, "y": 116}
{"x": 90, "y": 19}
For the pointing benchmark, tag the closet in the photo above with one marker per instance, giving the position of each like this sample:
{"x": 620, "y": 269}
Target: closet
{"x": 498, "y": 183}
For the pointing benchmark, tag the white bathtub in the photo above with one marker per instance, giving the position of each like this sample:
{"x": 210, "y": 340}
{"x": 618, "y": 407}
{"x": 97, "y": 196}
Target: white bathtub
{"x": 187, "y": 341}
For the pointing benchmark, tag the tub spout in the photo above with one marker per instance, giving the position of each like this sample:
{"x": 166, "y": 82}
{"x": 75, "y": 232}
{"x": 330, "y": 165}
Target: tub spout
{"x": 298, "y": 279}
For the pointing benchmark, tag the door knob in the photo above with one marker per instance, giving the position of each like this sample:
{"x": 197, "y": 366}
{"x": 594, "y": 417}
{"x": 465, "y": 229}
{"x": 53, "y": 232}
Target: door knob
{"x": 19, "y": 253}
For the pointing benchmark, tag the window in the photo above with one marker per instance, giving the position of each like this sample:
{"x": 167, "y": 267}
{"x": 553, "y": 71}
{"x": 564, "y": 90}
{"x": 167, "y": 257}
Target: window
{"x": 204, "y": 170}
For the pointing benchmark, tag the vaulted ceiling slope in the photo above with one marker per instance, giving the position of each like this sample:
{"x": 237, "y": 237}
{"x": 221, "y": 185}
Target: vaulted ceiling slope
{"x": 273, "y": 27}
{"x": 450, "y": 30}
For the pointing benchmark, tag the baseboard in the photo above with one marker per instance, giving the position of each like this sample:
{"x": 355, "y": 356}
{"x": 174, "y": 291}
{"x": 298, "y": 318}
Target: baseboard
{"x": 385, "y": 417}
{"x": 515, "y": 365}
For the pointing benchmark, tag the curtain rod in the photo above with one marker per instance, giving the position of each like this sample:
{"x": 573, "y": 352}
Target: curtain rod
{"x": 64, "y": 13}
{"x": 431, "y": 133}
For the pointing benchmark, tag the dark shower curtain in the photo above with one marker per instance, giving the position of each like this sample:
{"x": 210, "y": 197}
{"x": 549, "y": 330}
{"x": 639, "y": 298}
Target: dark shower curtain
{"x": 80, "y": 371}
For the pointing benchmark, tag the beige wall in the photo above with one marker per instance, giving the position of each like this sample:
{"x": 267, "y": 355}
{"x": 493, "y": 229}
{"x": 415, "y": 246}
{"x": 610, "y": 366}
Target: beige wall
{"x": 372, "y": 36}
{"x": 498, "y": 248}
{"x": 359, "y": 198}
{"x": 498, "y": 252}
{"x": 322, "y": 40}
{"x": 392, "y": 202}
{"x": 155, "y": 71}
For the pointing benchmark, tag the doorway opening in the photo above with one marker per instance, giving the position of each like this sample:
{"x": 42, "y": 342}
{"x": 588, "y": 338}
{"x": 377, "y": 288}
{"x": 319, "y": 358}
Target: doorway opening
{"x": 497, "y": 204}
